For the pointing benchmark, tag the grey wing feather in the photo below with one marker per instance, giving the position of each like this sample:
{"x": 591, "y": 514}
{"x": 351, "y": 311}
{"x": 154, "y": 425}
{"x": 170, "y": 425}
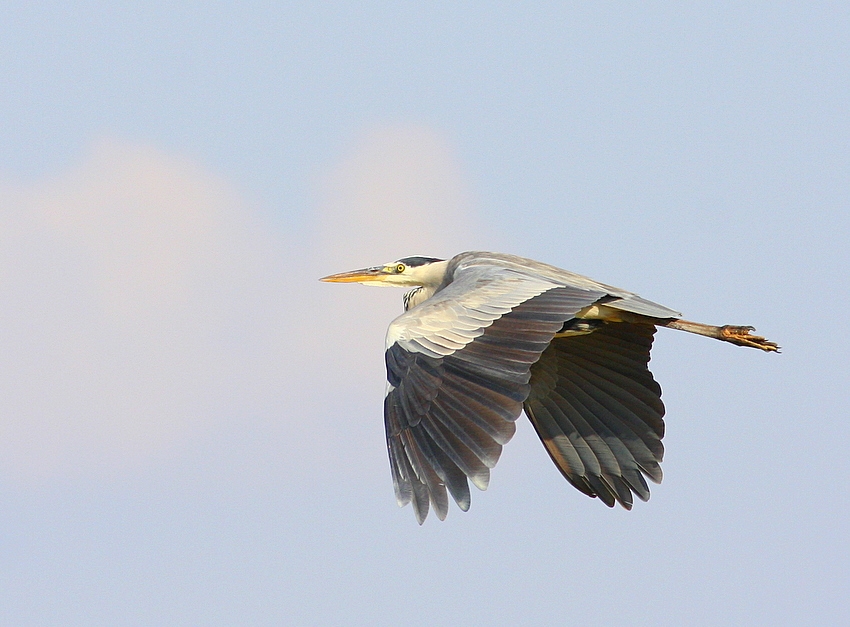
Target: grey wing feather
{"x": 598, "y": 411}
{"x": 625, "y": 300}
{"x": 462, "y": 364}
{"x": 459, "y": 313}
{"x": 449, "y": 408}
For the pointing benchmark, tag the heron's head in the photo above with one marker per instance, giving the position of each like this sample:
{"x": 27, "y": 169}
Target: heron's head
{"x": 407, "y": 272}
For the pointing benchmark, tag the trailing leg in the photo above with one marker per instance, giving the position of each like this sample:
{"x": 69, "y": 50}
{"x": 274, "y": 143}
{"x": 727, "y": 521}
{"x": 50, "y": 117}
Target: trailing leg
{"x": 728, "y": 333}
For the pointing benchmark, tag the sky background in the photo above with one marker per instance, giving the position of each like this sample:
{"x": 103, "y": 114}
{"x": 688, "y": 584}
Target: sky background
{"x": 191, "y": 424}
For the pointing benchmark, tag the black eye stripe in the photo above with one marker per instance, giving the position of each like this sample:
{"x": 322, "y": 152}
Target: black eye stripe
{"x": 413, "y": 262}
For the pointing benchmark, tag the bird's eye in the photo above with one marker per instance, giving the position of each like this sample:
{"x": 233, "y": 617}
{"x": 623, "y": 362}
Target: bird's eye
{"x": 399, "y": 268}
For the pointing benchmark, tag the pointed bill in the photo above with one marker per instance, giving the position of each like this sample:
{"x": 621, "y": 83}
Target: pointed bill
{"x": 366, "y": 275}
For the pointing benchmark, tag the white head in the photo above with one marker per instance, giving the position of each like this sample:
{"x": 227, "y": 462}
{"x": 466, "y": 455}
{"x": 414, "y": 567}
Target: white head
{"x": 407, "y": 272}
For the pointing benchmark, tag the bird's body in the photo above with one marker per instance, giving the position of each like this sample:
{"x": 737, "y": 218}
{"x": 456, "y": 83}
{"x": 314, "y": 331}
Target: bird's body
{"x": 485, "y": 336}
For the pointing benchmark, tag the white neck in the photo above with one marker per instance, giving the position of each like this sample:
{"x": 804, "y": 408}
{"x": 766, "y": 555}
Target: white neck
{"x": 430, "y": 275}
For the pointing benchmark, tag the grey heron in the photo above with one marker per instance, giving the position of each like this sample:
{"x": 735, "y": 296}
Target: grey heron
{"x": 486, "y": 336}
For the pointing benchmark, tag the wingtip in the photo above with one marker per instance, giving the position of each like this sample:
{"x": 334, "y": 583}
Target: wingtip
{"x": 481, "y": 480}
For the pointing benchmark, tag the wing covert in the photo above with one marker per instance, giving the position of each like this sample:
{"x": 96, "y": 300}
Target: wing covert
{"x": 457, "y": 314}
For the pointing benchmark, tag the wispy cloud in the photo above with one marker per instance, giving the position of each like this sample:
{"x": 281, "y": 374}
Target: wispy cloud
{"x": 141, "y": 306}
{"x": 108, "y": 316}
{"x": 399, "y": 191}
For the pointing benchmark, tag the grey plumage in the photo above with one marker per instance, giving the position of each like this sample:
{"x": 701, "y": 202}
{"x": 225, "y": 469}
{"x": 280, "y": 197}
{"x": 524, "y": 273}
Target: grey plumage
{"x": 486, "y": 336}
{"x": 598, "y": 411}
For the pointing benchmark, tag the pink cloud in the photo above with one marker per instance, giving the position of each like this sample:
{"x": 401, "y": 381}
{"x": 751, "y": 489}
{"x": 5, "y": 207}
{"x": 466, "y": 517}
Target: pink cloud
{"x": 400, "y": 190}
{"x": 106, "y": 313}
{"x": 141, "y": 304}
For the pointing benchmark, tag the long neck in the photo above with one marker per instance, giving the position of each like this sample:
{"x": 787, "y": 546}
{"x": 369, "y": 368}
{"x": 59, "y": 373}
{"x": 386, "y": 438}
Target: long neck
{"x": 430, "y": 275}
{"x": 430, "y": 278}
{"x": 417, "y": 296}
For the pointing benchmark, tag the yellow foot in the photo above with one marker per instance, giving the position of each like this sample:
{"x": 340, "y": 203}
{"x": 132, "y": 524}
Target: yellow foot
{"x": 741, "y": 336}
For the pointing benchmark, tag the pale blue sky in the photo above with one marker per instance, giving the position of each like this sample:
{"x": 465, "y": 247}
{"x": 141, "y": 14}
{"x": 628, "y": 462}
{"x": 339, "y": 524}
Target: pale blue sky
{"x": 190, "y": 424}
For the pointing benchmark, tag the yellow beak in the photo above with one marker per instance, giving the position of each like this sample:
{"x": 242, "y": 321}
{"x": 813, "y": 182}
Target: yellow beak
{"x": 358, "y": 276}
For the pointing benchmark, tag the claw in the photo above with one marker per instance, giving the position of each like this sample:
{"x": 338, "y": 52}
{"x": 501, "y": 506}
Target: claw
{"x": 741, "y": 336}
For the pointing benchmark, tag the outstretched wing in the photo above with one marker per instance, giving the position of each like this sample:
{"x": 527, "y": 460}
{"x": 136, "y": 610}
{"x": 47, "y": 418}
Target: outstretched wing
{"x": 458, "y": 368}
{"x": 598, "y": 411}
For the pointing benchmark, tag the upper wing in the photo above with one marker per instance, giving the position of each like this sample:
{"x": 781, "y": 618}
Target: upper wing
{"x": 621, "y": 299}
{"x": 458, "y": 368}
{"x": 598, "y": 411}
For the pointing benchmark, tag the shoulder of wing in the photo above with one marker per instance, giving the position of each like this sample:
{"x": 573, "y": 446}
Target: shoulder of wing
{"x": 460, "y": 311}
{"x": 627, "y": 301}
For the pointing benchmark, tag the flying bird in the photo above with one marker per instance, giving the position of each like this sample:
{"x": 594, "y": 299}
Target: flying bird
{"x": 485, "y": 336}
